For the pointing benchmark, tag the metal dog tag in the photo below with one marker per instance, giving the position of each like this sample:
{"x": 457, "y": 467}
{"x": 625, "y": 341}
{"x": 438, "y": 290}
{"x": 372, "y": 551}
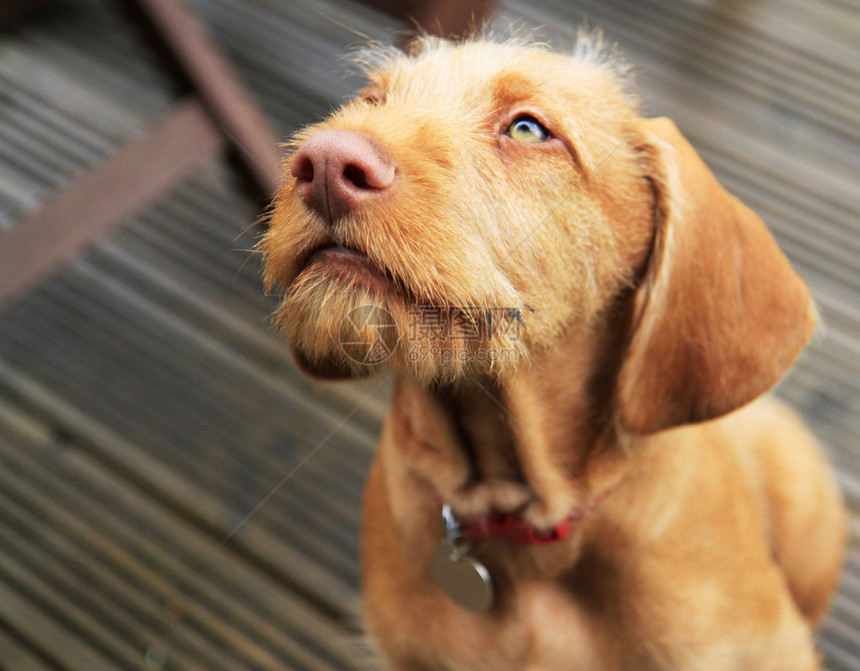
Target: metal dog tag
{"x": 463, "y": 578}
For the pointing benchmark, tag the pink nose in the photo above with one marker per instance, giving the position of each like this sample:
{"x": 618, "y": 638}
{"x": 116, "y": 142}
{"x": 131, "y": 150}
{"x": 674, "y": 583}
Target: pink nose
{"x": 339, "y": 171}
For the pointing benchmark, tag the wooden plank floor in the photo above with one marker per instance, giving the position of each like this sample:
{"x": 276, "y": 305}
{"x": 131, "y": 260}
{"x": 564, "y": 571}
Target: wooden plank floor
{"x": 146, "y": 409}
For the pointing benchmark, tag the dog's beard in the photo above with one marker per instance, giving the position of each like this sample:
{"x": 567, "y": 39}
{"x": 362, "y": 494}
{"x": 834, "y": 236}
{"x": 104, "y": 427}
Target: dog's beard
{"x": 361, "y": 328}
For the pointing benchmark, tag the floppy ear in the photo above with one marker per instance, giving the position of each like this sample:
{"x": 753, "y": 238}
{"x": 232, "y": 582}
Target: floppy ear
{"x": 721, "y": 315}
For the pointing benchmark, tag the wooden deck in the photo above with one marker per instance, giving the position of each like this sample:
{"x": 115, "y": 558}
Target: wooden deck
{"x": 146, "y": 409}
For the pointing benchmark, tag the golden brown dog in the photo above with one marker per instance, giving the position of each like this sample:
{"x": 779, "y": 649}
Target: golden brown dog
{"x": 580, "y": 318}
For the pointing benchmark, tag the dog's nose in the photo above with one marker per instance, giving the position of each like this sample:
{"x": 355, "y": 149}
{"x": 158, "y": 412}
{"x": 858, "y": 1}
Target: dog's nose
{"x": 339, "y": 171}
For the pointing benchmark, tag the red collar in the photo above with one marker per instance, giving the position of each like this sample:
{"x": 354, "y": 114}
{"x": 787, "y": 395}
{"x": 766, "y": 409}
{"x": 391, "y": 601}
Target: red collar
{"x": 512, "y": 528}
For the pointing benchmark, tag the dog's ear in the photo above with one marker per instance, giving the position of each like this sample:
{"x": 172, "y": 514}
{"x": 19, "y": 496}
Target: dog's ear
{"x": 720, "y": 315}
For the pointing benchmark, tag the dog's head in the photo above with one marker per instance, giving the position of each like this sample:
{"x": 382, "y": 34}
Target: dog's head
{"x": 479, "y": 201}
{"x": 456, "y": 212}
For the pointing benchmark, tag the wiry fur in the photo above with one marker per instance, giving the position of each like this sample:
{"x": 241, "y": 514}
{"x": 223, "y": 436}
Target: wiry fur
{"x": 655, "y": 307}
{"x": 497, "y": 242}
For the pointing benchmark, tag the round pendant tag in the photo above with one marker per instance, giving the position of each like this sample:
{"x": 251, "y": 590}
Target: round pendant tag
{"x": 463, "y": 578}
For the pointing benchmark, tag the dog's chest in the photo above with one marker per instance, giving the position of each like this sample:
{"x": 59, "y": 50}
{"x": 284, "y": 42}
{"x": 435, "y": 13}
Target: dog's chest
{"x": 558, "y": 632}
{"x": 539, "y": 632}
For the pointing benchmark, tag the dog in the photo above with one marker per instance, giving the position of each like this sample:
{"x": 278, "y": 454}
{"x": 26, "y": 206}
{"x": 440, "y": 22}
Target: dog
{"x": 576, "y": 471}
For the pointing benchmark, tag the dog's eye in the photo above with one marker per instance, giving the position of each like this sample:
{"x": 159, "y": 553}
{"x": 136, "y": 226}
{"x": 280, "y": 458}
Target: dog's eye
{"x": 374, "y": 96}
{"x": 527, "y": 129}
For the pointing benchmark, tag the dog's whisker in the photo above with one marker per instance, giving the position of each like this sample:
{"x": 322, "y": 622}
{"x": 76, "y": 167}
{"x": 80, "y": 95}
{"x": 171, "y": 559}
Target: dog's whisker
{"x": 258, "y": 223}
{"x": 250, "y": 253}
{"x": 346, "y": 27}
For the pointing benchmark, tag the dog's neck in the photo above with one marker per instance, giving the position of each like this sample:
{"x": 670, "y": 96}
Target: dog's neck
{"x": 526, "y": 443}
